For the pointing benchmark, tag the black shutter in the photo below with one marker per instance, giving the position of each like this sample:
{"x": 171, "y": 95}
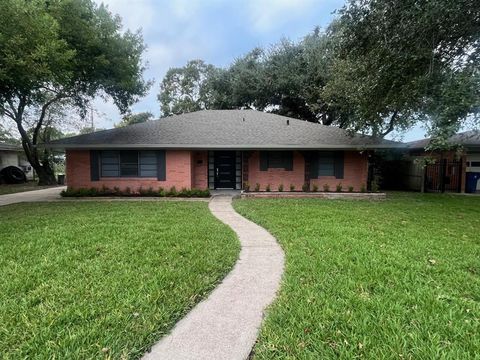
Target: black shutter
{"x": 263, "y": 160}
{"x": 338, "y": 165}
{"x": 313, "y": 158}
{"x": 288, "y": 160}
{"x": 94, "y": 165}
{"x": 161, "y": 165}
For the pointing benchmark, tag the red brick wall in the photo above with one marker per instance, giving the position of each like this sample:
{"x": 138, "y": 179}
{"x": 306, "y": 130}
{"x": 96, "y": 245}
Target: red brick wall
{"x": 200, "y": 169}
{"x": 355, "y": 173}
{"x": 178, "y": 173}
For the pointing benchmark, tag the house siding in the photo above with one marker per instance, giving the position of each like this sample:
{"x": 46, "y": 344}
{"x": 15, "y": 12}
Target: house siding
{"x": 179, "y": 173}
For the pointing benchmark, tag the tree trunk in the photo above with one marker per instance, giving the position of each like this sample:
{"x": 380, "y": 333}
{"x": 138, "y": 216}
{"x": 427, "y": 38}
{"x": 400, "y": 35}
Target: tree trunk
{"x": 45, "y": 173}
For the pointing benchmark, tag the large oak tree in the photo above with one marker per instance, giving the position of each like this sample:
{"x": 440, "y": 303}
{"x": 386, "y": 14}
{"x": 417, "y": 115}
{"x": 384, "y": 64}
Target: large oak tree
{"x": 56, "y": 53}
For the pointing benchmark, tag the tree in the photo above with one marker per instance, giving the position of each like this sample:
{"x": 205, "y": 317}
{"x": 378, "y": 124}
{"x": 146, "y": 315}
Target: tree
{"x": 62, "y": 53}
{"x": 130, "y": 119}
{"x": 402, "y": 61}
{"x": 184, "y": 89}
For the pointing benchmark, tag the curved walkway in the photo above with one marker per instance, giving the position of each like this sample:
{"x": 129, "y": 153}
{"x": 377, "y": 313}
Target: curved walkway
{"x": 226, "y": 324}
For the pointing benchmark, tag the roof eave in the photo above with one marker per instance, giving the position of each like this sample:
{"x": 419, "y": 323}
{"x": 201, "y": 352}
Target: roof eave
{"x": 218, "y": 147}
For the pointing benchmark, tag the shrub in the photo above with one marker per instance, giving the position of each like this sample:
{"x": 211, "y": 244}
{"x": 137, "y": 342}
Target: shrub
{"x": 280, "y": 187}
{"x": 257, "y": 187}
{"x": 246, "y": 186}
{"x": 363, "y": 188}
{"x": 326, "y": 188}
{"x": 350, "y": 188}
{"x": 339, "y": 187}
{"x": 172, "y": 191}
{"x": 84, "y": 192}
{"x": 292, "y": 187}
{"x": 314, "y": 187}
{"x": 267, "y": 188}
{"x": 375, "y": 184}
{"x": 305, "y": 187}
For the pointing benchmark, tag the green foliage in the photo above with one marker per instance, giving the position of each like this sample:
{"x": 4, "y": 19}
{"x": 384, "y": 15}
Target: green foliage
{"x": 131, "y": 119}
{"x": 246, "y": 186}
{"x": 267, "y": 188}
{"x": 350, "y": 188}
{"x": 257, "y": 187}
{"x": 363, "y": 188}
{"x": 56, "y": 54}
{"x": 184, "y": 89}
{"x": 305, "y": 187}
{"x": 149, "y": 192}
{"x": 373, "y": 280}
{"x": 292, "y": 187}
{"x": 120, "y": 274}
{"x": 326, "y": 187}
{"x": 393, "y": 73}
{"x": 280, "y": 187}
{"x": 314, "y": 187}
{"x": 339, "y": 187}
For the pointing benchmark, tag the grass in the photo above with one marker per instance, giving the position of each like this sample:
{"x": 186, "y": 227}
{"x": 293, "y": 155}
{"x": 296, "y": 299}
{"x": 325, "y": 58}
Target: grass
{"x": 104, "y": 280}
{"x": 398, "y": 279}
{"x": 16, "y": 188}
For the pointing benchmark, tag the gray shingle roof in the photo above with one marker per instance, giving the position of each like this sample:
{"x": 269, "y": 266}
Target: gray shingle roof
{"x": 467, "y": 139}
{"x": 232, "y": 129}
{"x": 10, "y": 147}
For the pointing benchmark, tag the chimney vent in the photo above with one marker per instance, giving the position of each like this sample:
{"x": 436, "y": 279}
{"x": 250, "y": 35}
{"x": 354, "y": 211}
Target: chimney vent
{"x": 288, "y": 122}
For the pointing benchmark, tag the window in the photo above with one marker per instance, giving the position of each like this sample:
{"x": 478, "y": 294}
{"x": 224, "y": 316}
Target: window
{"x": 475, "y": 164}
{"x": 128, "y": 163}
{"x": 276, "y": 160}
{"x": 326, "y": 163}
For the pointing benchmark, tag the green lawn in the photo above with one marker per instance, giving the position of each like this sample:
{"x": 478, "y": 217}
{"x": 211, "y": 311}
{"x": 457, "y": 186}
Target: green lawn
{"x": 16, "y": 188}
{"x": 104, "y": 280}
{"x": 398, "y": 279}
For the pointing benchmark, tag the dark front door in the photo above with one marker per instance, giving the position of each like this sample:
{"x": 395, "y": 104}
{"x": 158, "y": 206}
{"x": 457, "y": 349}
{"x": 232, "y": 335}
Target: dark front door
{"x": 224, "y": 169}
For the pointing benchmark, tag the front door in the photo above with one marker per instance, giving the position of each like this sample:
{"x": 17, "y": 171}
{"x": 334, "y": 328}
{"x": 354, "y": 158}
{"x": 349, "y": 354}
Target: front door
{"x": 224, "y": 163}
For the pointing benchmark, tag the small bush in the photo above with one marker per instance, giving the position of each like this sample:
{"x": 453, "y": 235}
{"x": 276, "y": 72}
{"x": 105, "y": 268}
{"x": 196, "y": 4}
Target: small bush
{"x": 326, "y": 188}
{"x": 350, "y": 188}
{"x": 305, "y": 187}
{"x": 246, "y": 186}
{"x": 314, "y": 187}
{"x": 339, "y": 187}
{"x": 257, "y": 187}
{"x": 91, "y": 192}
{"x": 375, "y": 184}
{"x": 172, "y": 191}
{"x": 267, "y": 188}
{"x": 292, "y": 187}
{"x": 363, "y": 188}
{"x": 280, "y": 187}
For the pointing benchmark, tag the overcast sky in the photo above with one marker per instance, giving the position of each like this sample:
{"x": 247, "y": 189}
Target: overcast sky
{"x": 216, "y": 31}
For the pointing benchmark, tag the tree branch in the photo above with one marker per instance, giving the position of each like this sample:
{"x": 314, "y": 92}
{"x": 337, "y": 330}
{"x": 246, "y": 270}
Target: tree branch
{"x": 43, "y": 112}
{"x": 391, "y": 124}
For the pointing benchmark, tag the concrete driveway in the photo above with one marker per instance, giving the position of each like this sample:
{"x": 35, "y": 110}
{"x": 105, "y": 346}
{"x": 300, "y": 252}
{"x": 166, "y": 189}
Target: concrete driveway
{"x": 32, "y": 196}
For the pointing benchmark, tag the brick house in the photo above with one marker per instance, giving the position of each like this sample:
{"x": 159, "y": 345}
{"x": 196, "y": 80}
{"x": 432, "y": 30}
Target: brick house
{"x": 220, "y": 149}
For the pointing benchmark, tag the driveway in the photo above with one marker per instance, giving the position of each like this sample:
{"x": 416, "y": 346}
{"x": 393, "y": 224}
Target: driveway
{"x": 32, "y": 196}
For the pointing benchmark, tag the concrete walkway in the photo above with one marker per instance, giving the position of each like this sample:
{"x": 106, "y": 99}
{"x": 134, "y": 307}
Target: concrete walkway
{"x": 32, "y": 196}
{"x": 226, "y": 324}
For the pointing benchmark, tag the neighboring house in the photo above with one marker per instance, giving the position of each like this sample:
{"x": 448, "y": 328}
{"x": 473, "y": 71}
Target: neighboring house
{"x": 220, "y": 149}
{"x": 12, "y": 155}
{"x": 456, "y": 170}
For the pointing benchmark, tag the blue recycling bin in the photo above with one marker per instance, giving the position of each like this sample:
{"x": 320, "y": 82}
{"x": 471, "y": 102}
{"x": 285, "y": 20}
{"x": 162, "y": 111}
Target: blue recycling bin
{"x": 472, "y": 179}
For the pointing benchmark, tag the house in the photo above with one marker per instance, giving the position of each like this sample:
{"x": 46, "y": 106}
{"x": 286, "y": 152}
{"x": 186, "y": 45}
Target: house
{"x": 455, "y": 170}
{"x": 12, "y": 155}
{"x": 220, "y": 149}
